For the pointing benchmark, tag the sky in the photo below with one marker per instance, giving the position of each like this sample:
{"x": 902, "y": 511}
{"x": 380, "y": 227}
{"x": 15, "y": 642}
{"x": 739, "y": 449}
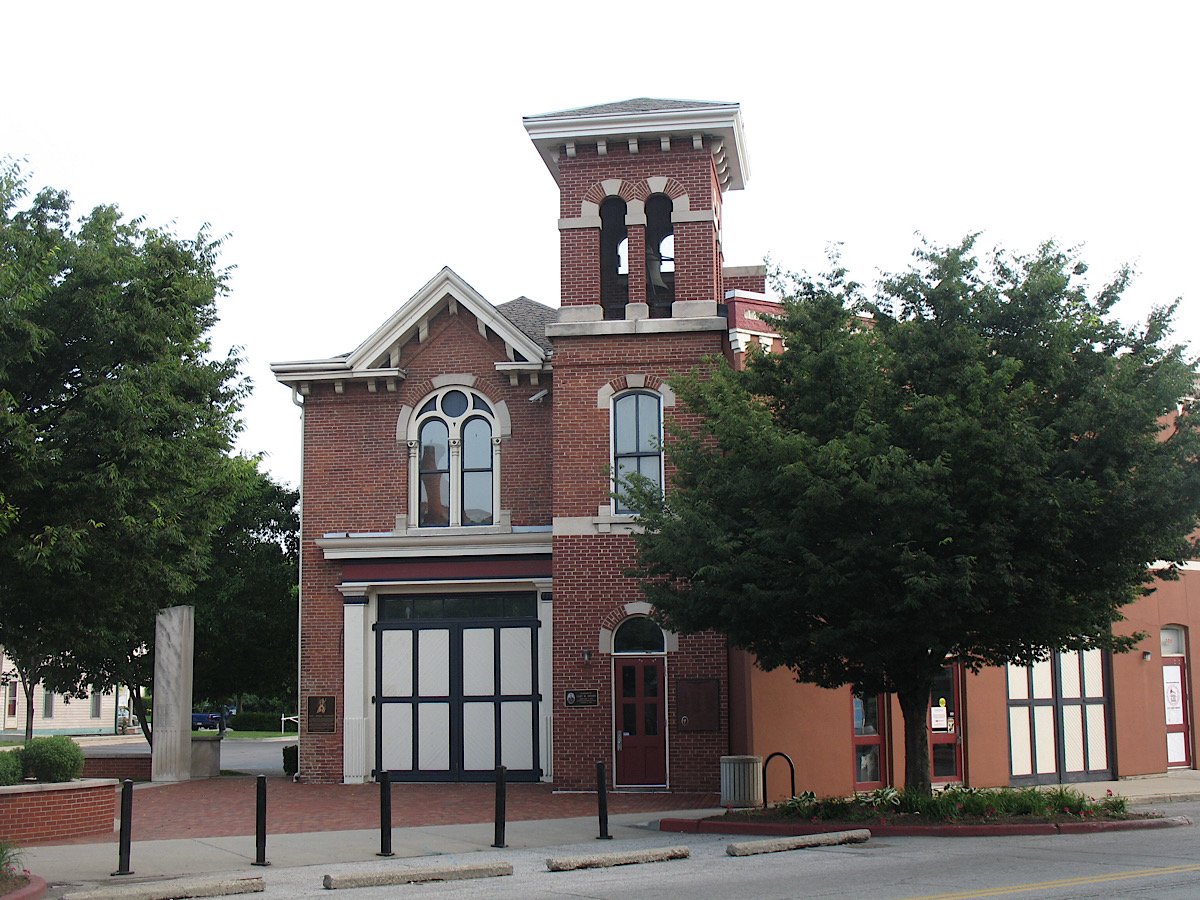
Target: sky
{"x": 350, "y": 150}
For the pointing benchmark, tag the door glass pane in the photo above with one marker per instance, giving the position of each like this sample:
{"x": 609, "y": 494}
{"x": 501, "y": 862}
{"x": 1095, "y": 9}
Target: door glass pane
{"x": 629, "y": 719}
{"x": 866, "y": 764}
{"x": 650, "y": 685}
{"x": 650, "y": 715}
{"x": 628, "y": 681}
{"x": 1171, "y": 642}
{"x": 943, "y": 690}
{"x": 945, "y": 761}
{"x": 866, "y": 716}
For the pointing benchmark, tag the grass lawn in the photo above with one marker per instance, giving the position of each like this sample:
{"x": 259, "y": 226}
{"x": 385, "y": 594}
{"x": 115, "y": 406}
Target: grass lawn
{"x": 231, "y": 735}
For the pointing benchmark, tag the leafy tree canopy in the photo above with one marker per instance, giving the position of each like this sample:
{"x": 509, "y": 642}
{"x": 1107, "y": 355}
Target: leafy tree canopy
{"x": 115, "y": 424}
{"x": 976, "y": 464}
{"x": 246, "y": 609}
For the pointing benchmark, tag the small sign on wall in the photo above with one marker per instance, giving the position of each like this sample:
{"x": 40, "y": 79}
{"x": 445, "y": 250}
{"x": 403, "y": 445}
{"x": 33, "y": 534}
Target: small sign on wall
{"x": 581, "y": 698}
{"x": 320, "y": 715}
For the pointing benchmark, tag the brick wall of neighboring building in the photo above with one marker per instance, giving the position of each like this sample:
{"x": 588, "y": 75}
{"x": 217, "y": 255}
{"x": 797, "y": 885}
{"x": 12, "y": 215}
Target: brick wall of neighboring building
{"x": 48, "y": 812}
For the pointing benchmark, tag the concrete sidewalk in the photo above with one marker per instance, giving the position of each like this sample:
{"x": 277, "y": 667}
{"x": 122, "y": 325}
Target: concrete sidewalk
{"x": 436, "y": 820}
{"x": 77, "y": 867}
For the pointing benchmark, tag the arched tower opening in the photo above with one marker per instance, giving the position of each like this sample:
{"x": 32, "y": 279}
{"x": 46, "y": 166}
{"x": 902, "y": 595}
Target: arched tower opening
{"x": 614, "y": 263}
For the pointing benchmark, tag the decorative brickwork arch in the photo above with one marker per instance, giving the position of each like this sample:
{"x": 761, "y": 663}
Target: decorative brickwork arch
{"x": 635, "y": 382}
{"x": 634, "y": 192}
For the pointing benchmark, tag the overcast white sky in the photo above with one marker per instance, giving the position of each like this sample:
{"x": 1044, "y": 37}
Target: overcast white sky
{"x": 352, "y": 149}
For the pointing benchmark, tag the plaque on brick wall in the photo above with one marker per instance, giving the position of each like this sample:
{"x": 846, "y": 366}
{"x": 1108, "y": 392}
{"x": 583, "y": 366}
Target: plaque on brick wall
{"x": 698, "y": 704}
{"x": 320, "y": 715}
{"x": 582, "y": 698}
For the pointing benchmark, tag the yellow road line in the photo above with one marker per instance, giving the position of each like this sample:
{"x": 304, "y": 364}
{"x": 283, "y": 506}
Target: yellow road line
{"x": 1062, "y": 882}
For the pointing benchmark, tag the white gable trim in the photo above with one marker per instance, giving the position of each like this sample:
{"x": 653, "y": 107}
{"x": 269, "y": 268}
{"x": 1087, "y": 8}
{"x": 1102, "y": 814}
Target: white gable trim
{"x": 406, "y": 322}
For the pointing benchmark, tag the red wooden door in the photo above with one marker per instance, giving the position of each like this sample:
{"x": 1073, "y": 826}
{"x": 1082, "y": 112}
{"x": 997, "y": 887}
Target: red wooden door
{"x": 1175, "y": 702}
{"x": 640, "y": 720}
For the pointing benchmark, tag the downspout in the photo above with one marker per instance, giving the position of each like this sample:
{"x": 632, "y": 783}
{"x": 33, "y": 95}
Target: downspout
{"x": 299, "y": 580}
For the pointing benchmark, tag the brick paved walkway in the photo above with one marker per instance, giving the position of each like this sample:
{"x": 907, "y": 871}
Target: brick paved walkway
{"x": 223, "y": 807}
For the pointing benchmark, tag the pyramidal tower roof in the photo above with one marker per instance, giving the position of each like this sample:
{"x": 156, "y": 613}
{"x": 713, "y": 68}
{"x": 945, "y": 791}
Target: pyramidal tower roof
{"x": 645, "y": 118}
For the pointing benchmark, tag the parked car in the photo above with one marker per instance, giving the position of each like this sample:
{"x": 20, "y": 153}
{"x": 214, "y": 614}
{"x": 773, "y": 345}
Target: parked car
{"x": 208, "y": 720}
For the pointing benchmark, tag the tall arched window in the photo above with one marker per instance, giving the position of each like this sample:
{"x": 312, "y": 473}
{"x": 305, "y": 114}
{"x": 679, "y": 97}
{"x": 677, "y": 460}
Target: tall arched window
{"x": 637, "y": 442}
{"x": 456, "y": 460}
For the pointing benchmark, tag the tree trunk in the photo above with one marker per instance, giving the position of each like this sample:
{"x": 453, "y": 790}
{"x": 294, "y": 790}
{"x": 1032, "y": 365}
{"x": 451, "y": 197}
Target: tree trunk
{"x": 29, "y": 678}
{"x": 28, "y": 685}
{"x": 914, "y": 706}
{"x": 139, "y": 710}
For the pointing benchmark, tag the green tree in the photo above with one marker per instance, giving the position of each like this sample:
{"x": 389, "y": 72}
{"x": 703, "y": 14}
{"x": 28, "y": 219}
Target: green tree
{"x": 979, "y": 472}
{"x": 246, "y": 609}
{"x": 116, "y": 427}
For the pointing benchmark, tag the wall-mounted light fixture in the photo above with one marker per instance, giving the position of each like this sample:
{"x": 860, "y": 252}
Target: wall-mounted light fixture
{"x": 1146, "y": 655}
{"x": 587, "y": 656}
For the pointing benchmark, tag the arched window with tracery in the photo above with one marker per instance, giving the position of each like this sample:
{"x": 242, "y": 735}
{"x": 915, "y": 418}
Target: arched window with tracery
{"x": 456, "y": 459}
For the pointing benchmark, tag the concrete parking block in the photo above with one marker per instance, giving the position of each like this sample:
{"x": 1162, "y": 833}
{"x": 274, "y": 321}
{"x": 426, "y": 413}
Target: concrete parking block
{"x": 780, "y": 845}
{"x": 626, "y": 858}
{"x": 417, "y": 875}
{"x": 166, "y": 890}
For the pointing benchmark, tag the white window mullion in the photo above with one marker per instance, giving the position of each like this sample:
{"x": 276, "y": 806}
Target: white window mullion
{"x": 455, "y": 480}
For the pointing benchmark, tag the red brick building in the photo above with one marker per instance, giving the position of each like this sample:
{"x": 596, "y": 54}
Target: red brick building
{"x": 463, "y": 603}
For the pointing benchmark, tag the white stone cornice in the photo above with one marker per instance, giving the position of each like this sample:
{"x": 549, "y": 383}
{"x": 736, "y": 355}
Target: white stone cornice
{"x": 634, "y": 326}
{"x": 435, "y": 542}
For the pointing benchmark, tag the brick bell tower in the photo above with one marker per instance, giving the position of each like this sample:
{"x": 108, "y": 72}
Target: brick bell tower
{"x": 644, "y": 295}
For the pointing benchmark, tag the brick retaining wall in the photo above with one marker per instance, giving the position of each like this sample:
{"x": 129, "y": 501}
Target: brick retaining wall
{"x": 119, "y": 767}
{"x": 43, "y": 812}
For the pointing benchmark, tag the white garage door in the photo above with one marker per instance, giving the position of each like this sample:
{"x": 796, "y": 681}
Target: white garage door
{"x": 457, "y": 697}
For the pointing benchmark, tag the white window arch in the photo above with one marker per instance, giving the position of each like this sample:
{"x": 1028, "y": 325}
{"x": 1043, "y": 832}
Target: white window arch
{"x": 454, "y": 459}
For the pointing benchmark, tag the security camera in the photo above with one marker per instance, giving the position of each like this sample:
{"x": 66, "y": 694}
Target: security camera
{"x": 539, "y": 396}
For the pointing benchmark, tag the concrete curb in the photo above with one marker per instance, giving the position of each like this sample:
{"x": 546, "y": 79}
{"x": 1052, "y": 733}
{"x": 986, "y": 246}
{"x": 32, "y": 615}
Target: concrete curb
{"x": 417, "y": 875}
{"x": 167, "y": 890}
{"x": 626, "y": 858}
{"x": 780, "y": 845}
{"x": 785, "y": 829}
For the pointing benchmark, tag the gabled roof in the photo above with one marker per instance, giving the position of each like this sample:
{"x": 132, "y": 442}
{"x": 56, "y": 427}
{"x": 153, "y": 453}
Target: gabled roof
{"x": 532, "y": 318}
{"x": 645, "y": 118}
{"x": 378, "y": 356}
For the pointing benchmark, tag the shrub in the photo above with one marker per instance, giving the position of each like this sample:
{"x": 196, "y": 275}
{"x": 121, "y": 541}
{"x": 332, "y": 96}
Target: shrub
{"x": 55, "y": 758}
{"x": 291, "y": 759}
{"x": 256, "y": 721}
{"x": 12, "y": 769}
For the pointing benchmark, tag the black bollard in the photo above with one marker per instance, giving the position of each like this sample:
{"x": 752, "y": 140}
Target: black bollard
{"x": 385, "y": 814}
{"x": 126, "y": 828}
{"x": 501, "y": 784}
{"x": 602, "y": 802}
{"x": 260, "y": 825}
